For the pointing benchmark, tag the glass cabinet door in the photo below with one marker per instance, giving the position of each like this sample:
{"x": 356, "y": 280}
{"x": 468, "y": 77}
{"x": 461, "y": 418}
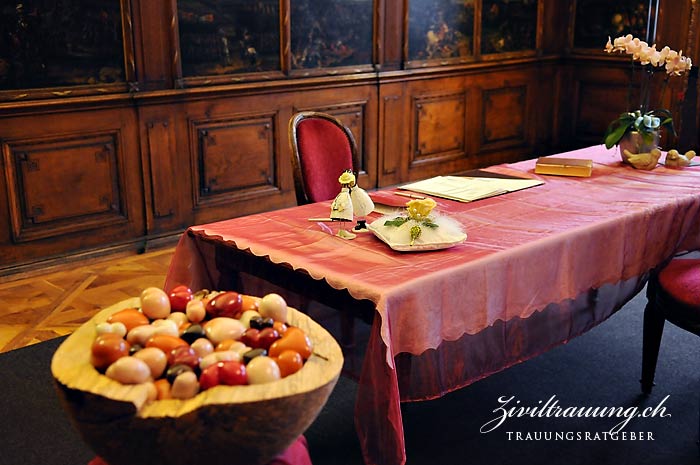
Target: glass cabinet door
{"x": 595, "y": 20}
{"x": 440, "y": 29}
{"x": 331, "y": 33}
{"x": 49, "y": 44}
{"x": 444, "y": 32}
{"x": 221, "y": 37}
{"x": 508, "y": 26}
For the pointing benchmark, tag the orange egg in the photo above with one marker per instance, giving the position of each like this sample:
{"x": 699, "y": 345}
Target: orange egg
{"x": 166, "y": 342}
{"x": 292, "y": 339}
{"x": 225, "y": 345}
{"x": 280, "y": 327}
{"x": 289, "y": 361}
{"x": 129, "y": 317}
{"x": 250, "y": 303}
{"x": 163, "y": 389}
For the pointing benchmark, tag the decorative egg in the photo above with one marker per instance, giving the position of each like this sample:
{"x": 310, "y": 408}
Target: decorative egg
{"x": 292, "y": 339}
{"x": 165, "y": 342}
{"x": 202, "y": 346}
{"x": 195, "y": 311}
{"x": 249, "y": 302}
{"x": 262, "y": 370}
{"x": 185, "y": 386}
{"x": 184, "y": 355}
{"x": 192, "y": 333}
{"x": 216, "y": 357}
{"x": 180, "y": 318}
{"x": 219, "y": 329}
{"x": 141, "y": 334}
{"x": 130, "y": 317}
{"x": 129, "y": 370}
{"x": 226, "y": 304}
{"x": 155, "y": 303}
{"x": 289, "y": 362}
{"x": 115, "y": 328}
{"x": 168, "y": 327}
{"x": 274, "y": 306}
{"x": 154, "y": 358}
{"x": 107, "y": 349}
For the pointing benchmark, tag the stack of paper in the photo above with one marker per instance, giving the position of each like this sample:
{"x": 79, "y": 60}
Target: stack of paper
{"x": 468, "y": 189}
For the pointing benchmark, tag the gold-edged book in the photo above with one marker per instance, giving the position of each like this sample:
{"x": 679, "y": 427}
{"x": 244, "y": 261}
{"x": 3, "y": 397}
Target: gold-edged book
{"x": 564, "y": 166}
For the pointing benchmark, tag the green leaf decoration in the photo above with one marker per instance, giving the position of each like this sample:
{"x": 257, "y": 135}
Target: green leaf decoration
{"x": 415, "y": 232}
{"x": 398, "y": 221}
{"x": 429, "y": 224}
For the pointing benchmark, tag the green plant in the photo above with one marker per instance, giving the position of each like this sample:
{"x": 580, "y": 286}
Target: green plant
{"x": 648, "y": 122}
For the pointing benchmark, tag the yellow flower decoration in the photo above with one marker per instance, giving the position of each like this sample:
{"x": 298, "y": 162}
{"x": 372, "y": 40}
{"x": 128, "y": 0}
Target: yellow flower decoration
{"x": 420, "y": 209}
{"x": 347, "y": 178}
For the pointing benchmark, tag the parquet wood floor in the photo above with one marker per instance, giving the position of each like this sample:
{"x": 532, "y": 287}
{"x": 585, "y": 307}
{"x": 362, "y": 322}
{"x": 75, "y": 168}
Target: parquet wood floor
{"x": 41, "y": 307}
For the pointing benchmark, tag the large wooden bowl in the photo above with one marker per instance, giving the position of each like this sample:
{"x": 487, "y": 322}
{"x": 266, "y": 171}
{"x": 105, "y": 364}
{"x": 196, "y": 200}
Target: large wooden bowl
{"x": 224, "y": 425}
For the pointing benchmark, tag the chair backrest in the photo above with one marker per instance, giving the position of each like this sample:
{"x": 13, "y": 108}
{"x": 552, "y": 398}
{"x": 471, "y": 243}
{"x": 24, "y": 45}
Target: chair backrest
{"x": 322, "y": 148}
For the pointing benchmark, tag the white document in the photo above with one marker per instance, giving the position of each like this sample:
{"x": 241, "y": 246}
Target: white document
{"x": 468, "y": 189}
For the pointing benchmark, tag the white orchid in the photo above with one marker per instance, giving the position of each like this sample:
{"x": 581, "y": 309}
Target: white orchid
{"x": 645, "y": 120}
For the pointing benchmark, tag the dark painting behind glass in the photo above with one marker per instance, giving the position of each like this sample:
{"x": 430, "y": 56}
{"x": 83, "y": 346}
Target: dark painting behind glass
{"x": 597, "y": 19}
{"x": 439, "y": 29}
{"x": 60, "y": 43}
{"x": 330, "y": 33}
{"x": 228, "y": 36}
{"x": 508, "y": 26}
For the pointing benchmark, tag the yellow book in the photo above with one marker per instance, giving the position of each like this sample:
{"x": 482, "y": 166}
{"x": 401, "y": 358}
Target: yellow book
{"x": 564, "y": 166}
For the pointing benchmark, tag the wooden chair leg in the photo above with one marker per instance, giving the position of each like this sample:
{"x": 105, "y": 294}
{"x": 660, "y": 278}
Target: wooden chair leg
{"x": 653, "y": 330}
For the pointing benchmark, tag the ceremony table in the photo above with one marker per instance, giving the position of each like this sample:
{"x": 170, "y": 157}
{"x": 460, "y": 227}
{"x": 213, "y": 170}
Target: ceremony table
{"x": 539, "y": 267}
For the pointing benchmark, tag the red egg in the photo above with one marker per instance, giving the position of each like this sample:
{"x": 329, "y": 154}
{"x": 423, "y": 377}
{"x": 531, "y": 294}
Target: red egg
{"x": 179, "y": 296}
{"x": 225, "y": 304}
{"x": 107, "y": 349}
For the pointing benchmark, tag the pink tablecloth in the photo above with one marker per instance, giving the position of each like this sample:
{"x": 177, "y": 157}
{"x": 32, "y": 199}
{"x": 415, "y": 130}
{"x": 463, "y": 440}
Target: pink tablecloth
{"x": 550, "y": 244}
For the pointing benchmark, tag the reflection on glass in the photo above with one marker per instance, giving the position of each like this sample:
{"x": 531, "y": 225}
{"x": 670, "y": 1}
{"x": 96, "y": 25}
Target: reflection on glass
{"x": 598, "y": 19}
{"x": 508, "y": 26}
{"x": 60, "y": 43}
{"x": 331, "y": 33}
{"x": 440, "y": 29}
{"x": 228, "y": 36}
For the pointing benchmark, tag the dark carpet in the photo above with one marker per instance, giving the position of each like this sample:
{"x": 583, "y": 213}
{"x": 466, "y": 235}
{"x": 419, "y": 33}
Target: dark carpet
{"x": 599, "y": 369}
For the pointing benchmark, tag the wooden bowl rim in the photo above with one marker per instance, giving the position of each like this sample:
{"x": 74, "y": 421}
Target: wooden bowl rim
{"x": 71, "y": 367}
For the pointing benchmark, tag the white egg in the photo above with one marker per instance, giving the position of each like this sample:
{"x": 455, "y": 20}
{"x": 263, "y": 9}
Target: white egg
{"x": 155, "y": 303}
{"x": 262, "y": 370}
{"x": 274, "y": 306}
{"x": 155, "y": 358}
{"x": 195, "y": 311}
{"x": 185, "y": 386}
{"x": 221, "y": 328}
{"x": 129, "y": 370}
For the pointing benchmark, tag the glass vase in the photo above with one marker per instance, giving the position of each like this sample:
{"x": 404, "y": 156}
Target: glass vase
{"x": 634, "y": 143}
{"x": 633, "y": 149}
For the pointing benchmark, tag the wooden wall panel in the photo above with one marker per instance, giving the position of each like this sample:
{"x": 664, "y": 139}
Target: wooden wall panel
{"x": 72, "y": 181}
{"x": 503, "y": 116}
{"x": 393, "y": 134}
{"x": 438, "y": 128}
{"x": 62, "y": 185}
{"x": 160, "y": 152}
{"x": 235, "y": 157}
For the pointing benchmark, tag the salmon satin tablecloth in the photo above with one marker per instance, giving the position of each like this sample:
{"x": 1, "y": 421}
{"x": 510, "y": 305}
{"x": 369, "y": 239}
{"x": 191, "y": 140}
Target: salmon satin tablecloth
{"x": 539, "y": 267}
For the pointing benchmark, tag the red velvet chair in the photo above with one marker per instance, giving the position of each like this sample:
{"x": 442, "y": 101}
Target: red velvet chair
{"x": 673, "y": 294}
{"x": 322, "y": 148}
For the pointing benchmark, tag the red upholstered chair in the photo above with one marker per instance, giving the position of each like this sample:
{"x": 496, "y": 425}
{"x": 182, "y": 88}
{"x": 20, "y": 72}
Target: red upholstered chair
{"x": 673, "y": 294}
{"x": 322, "y": 148}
